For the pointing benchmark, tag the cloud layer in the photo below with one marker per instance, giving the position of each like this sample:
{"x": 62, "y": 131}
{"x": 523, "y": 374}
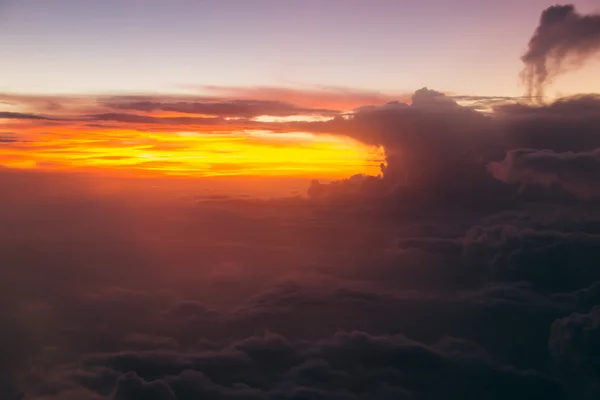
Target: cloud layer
{"x": 122, "y": 295}
{"x": 463, "y": 266}
{"x": 465, "y": 269}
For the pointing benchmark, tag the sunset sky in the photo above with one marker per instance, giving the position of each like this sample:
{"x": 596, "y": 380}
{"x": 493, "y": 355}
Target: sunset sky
{"x": 299, "y": 200}
{"x": 231, "y": 79}
{"x": 390, "y": 46}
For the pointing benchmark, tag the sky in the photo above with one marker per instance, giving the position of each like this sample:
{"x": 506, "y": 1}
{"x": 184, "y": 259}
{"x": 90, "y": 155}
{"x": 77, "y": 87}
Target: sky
{"x": 299, "y": 200}
{"x": 393, "y": 46}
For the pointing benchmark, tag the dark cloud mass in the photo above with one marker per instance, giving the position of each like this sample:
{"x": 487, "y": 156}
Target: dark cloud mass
{"x": 122, "y": 296}
{"x": 233, "y": 108}
{"x": 426, "y": 142}
{"x": 438, "y": 151}
{"x": 574, "y": 344}
{"x": 469, "y": 268}
{"x": 563, "y": 40}
{"x": 577, "y": 173}
{"x": 567, "y": 124}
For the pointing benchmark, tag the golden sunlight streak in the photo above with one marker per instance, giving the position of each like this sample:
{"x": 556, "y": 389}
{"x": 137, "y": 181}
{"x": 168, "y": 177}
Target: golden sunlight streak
{"x": 190, "y": 152}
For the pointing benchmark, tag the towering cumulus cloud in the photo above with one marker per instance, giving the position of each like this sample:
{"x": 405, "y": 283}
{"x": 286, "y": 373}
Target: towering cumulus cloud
{"x": 563, "y": 40}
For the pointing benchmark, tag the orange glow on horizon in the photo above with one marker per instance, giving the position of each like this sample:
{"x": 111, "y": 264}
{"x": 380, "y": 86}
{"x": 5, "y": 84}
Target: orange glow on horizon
{"x": 188, "y": 152}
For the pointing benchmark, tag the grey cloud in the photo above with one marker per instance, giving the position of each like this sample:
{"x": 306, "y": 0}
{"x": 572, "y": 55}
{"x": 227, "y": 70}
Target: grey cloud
{"x": 477, "y": 282}
{"x": 569, "y": 124}
{"x": 231, "y": 108}
{"x": 577, "y": 173}
{"x": 563, "y": 36}
{"x": 343, "y": 366}
{"x": 439, "y": 151}
{"x": 575, "y": 345}
{"x": 16, "y": 115}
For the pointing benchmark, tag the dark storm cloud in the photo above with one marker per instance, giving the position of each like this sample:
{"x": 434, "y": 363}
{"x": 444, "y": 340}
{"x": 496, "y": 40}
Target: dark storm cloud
{"x": 431, "y": 143}
{"x": 563, "y": 41}
{"x": 575, "y": 346}
{"x": 577, "y": 173}
{"x": 344, "y": 366}
{"x": 329, "y": 363}
{"x": 267, "y": 364}
{"x": 232, "y": 108}
{"x": 438, "y": 151}
{"x": 569, "y": 124}
{"x": 552, "y": 257}
{"x": 109, "y": 329}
